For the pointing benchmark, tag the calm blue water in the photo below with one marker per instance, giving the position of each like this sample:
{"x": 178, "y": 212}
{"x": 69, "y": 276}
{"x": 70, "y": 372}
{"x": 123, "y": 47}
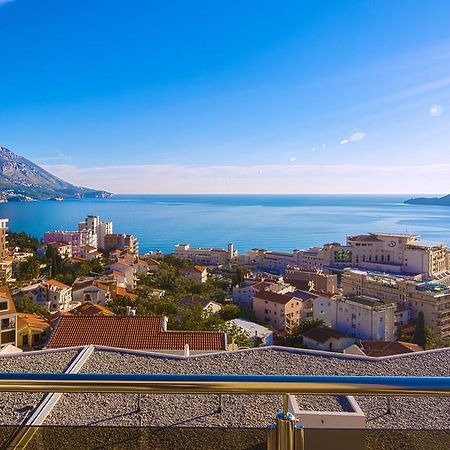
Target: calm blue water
{"x": 274, "y": 222}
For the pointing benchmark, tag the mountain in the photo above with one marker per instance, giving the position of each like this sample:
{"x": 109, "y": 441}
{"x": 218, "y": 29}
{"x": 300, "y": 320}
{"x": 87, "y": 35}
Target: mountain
{"x": 21, "y": 179}
{"x": 443, "y": 201}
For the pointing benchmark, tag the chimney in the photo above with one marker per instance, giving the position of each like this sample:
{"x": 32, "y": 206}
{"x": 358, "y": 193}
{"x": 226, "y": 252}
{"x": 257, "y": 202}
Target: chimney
{"x": 186, "y": 349}
{"x": 165, "y": 320}
{"x": 128, "y": 310}
{"x": 133, "y": 312}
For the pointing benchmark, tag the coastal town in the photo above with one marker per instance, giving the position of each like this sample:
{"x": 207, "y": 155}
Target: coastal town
{"x": 379, "y": 294}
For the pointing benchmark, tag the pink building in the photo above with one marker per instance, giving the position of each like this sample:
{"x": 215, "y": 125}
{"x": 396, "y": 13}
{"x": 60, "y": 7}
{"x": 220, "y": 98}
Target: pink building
{"x": 72, "y": 238}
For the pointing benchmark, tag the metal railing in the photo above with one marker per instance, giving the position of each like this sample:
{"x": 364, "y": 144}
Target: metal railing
{"x": 284, "y": 434}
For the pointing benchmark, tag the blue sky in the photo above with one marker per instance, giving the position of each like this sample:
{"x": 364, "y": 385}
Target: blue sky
{"x": 230, "y": 96}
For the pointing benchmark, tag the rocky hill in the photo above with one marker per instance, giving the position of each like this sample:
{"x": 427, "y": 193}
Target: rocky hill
{"x": 21, "y": 179}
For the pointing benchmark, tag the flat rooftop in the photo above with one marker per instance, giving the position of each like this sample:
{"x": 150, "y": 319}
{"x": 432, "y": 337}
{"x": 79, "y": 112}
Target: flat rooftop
{"x": 196, "y": 410}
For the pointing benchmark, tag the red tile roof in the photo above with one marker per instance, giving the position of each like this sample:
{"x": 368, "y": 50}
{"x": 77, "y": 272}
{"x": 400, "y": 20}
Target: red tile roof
{"x": 322, "y": 335}
{"x": 57, "y": 284}
{"x": 274, "y": 297}
{"x": 193, "y": 269}
{"x": 137, "y": 333}
{"x": 383, "y": 348}
{"x": 89, "y": 309}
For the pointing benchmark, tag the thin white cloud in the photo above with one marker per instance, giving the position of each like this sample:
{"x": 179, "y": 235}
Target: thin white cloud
{"x": 355, "y": 137}
{"x": 436, "y": 110}
{"x": 4, "y": 2}
{"x": 276, "y": 178}
{"x": 358, "y": 136}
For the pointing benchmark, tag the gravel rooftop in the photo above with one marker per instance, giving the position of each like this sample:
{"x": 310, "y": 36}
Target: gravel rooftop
{"x": 184, "y": 410}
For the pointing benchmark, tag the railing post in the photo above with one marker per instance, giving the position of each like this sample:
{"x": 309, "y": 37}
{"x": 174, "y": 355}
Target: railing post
{"x": 299, "y": 437}
{"x": 285, "y": 431}
{"x": 271, "y": 436}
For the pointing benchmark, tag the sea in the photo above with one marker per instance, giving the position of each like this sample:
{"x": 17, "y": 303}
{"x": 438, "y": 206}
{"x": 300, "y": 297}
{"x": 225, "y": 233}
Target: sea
{"x": 273, "y": 222}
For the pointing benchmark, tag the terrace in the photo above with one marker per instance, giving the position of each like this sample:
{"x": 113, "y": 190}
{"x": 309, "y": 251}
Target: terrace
{"x": 186, "y": 416}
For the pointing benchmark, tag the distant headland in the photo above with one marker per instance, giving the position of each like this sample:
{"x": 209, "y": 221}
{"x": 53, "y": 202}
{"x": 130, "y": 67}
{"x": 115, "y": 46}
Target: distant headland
{"x": 443, "y": 201}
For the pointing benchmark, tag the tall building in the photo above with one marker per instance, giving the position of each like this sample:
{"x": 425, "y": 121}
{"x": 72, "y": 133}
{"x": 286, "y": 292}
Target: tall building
{"x": 431, "y": 298}
{"x": 3, "y": 238}
{"x": 118, "y": 241}
{"x": 382, "y": 252}
{"x": 8, "y": 318}
{"x": 103, "y": 229}
{"x": 360, "y": 316}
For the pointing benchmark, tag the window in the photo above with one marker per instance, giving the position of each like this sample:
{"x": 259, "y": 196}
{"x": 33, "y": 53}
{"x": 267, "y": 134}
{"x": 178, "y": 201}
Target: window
{"x": 3, "y": 306}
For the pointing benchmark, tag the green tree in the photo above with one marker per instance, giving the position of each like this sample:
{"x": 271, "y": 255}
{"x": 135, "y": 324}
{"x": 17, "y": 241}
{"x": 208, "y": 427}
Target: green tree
{"x": 24, "y": 241}
{"x": 236, "y": 335}
{"x": 29, "y": 269}
{"x": 229, "y": 311}
{"x": 420, "y": 337}
{"x": 119, "y": 305}
{"x": 26, "y": 305}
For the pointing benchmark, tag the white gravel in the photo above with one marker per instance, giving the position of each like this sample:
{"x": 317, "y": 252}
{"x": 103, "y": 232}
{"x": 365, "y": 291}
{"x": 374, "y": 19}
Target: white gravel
{"x": 250, "y": 411}
{"x": 16, "y": 406}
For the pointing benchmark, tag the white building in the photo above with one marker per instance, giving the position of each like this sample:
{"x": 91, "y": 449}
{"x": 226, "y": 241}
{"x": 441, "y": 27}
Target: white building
{"x": 94, "y": 231}
{"x": 51, "y": 294}
{"x": 124, "y": 273}
{"x": 359, "y": 316}
{"x": 199, "y": 274}
{"x": 93, "y": 292}
{"x": 257, "y": 333}
{"x": 243, "y": 294}
{"x": 103, "y": 229}
{"x": 326, "y": 339}
{"x": 207, "y": 256}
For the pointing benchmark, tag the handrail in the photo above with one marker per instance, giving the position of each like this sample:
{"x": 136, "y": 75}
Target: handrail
{"x": 225, "y": 384}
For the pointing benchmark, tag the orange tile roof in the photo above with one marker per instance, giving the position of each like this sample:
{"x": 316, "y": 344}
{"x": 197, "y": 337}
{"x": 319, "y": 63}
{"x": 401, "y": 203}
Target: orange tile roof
{"x": 192, "y": 269}
{"x": 6, "y": 295}
{"x": 89, "y": 309}
{"x": 273, "y": 297}
{"x": 388, "y": 348}
{"x": 31, "y": 321}
{"x": 137, "y": 333}
{"x": 124, "y": 293}
{"x": 57, "y": 284}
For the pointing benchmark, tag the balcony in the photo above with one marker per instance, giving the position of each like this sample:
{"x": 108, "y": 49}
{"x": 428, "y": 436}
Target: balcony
{"x": 105, "y": 398}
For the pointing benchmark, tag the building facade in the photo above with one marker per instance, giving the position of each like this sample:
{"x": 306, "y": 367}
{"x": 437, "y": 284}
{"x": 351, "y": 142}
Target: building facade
{"x": 361, "y": 316}
{"x": 8, "y": 319}
{"x": 282, "y": 311}
{"x": 431, "y": 298}
{"x": 207, "y": 256}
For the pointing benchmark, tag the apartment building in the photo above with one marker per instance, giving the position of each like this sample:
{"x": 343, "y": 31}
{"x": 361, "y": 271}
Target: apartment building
{"x": 117, "y": 241}
{"x": 382, "y": 252}
{"x": 282, "y": 311}
{"x": 431, "y": 298}
{"x": 63, "y": 249}
{"x": 243, "y": 294}
{"x": 206, "y": 256}
{"x": 314, "y": 280}
{"x": 70, "y": 238}
{"x": 8, "y": 318}
{"x": 3, "y": 238}
{"x": 359, "y": 316}
{"x": 199, "y": 274}
{"x": 51, "y": 294}
{"x": 6, "y": 268}
{"x": 92, "y": 291}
